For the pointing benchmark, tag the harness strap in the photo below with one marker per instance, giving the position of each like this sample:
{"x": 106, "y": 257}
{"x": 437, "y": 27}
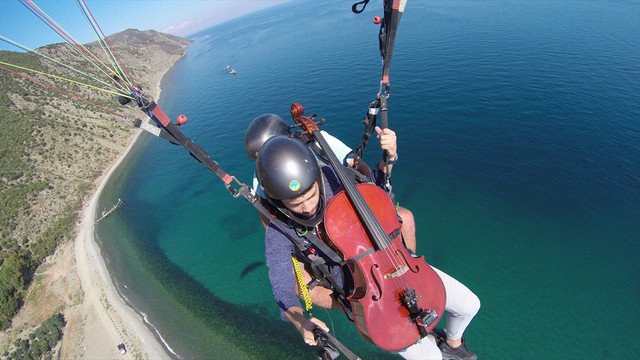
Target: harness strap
{"x": 371, "y": 250}
{"x": 317, "y": 263}
{"x": 369, "y": 124}
{"x": 393, "y": 10}
{"x": 315, "y": 240}
{"x": 322, "y": 273}
{"x": 361, "y": 256}
{"x": 384, "y": 123}
{"x": 384, "y": 119}
{"x": 319, "y": 151}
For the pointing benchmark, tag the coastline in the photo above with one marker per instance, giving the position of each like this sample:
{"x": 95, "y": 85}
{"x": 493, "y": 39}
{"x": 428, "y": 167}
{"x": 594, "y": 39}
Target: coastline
{"x": 110, "y": 321}
{"x": 116, "y": 322}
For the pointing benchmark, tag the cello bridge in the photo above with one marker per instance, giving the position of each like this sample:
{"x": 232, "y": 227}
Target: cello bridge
{"x": 397, "y": 272}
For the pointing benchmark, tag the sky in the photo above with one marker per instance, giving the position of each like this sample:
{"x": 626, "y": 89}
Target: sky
{"x": 177, "y": 17}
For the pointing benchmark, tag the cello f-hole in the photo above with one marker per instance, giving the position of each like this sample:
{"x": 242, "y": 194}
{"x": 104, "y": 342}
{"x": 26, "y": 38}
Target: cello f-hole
{"x": 375, "y": 280}
{"x": 415, "y": 269}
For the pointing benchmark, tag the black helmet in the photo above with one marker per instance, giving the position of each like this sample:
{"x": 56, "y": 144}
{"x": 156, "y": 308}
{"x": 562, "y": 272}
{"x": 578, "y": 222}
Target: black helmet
{"x": 286, "y": 168}
{"x": 261, "y": 129}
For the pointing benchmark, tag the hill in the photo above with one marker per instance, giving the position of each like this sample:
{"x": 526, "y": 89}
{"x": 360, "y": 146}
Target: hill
{"x": 54, "y": 148}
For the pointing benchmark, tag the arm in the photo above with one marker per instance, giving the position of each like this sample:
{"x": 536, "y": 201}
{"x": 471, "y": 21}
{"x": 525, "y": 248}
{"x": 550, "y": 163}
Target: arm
{"x": 304, "y": 326}
{"x": 278, "y": 251}
{"x": 388, "y": 144}
{"x": 320, "y": 295}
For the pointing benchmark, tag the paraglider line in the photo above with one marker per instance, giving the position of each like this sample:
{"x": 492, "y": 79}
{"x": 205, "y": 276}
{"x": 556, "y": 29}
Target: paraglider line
{"x": 62, "y": 92}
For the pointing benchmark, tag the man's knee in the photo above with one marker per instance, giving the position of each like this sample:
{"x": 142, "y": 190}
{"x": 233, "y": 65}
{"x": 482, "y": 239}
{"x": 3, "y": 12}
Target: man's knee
{"x": 406, "y": 215}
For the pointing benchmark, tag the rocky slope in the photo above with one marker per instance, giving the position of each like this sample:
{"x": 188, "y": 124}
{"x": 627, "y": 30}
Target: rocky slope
{"x": 74, "y": 142}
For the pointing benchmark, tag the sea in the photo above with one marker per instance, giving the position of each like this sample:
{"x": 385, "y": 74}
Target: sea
{"x": 518, "y": 127}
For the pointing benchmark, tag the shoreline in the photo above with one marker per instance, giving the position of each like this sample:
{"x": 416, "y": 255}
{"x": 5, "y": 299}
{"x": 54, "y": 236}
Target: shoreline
{"x": 114, "y": 317}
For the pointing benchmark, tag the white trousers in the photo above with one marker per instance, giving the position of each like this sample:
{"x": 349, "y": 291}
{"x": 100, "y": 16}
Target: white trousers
{"x": 461, "y": 306}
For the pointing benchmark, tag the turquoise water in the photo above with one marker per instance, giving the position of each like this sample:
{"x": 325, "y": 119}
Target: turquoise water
{"x": 519, "y": 142}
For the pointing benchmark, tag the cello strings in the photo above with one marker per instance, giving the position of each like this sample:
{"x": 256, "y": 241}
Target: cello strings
{"x": 391, "y": 256}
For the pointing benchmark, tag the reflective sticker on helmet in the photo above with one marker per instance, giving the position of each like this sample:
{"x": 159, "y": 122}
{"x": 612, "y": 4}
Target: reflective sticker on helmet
{"x": 294, "y": 185}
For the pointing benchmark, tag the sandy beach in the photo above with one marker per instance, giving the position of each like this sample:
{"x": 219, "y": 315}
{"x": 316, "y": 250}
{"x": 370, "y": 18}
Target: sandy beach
{"x": 109, "y": 320}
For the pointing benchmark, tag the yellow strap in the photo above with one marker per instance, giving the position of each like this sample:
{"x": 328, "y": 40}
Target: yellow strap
{"x": 303, "y": 287}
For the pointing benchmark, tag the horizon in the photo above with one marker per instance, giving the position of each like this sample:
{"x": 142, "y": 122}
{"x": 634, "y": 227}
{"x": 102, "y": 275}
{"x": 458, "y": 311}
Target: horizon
{"x": 179, "y": 18}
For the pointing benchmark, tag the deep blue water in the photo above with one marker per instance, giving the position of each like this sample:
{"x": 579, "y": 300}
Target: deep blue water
{"x": 519, "y": 142}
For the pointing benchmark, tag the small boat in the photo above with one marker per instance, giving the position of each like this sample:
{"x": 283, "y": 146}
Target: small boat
{"x": 233, "y": 72}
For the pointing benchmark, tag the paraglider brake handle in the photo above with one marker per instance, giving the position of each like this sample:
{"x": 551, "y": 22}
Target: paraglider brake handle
{"x": 355, "y": 9}
{"x": 330, "y": 347}
{"x": 326, "y": 350}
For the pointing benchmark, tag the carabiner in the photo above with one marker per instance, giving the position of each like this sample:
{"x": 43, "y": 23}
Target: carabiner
{"x": 387, "y": 89}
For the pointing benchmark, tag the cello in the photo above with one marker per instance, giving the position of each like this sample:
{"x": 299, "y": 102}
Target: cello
{"x": 397, "y": 298}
